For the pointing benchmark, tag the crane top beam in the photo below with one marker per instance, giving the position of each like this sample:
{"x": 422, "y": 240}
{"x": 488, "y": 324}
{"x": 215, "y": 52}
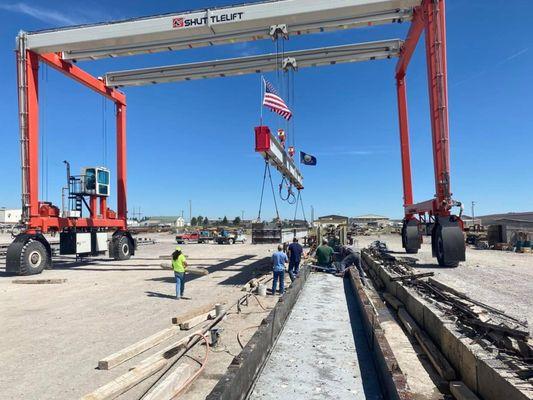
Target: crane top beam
{"x": 255, "y": 64}
{"x": 214, "y": 26}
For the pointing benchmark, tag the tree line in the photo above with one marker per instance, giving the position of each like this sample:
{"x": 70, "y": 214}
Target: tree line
{"x": 204, "y": 221}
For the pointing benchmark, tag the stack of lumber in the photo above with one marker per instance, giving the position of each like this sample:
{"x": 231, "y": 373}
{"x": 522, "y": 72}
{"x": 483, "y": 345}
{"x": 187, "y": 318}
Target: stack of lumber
{"x": 176, "y": 380}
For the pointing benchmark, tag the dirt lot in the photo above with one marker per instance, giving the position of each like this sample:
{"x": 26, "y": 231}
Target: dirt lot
{"x": 53, "y": 335}
{"x": 500, "y": 279}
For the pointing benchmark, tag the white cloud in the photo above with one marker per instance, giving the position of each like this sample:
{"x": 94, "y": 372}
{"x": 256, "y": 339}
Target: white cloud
{"x": 42, "y": 14}
{"x": 54, "y": 17}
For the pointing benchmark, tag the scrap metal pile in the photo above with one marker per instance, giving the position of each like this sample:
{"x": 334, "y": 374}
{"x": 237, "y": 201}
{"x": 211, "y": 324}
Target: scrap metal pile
{"x": 506, "y": 337}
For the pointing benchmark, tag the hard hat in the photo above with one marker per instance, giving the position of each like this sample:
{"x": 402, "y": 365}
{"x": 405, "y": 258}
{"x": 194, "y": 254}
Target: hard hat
{"x": 178, "y": 248}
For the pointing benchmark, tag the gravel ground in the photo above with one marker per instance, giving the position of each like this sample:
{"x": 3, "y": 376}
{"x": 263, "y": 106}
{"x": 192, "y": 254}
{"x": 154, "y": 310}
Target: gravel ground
{"x": 54, "y": 335}
{"x": 501, "y": 279}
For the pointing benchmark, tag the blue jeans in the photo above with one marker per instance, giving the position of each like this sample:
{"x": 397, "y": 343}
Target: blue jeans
{"x": 278, "y": 276}
{"x": 180, "y": 283}
{"x": 294, "y": 268}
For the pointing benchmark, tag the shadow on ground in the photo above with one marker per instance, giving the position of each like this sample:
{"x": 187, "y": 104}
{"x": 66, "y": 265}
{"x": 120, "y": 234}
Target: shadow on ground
{"x": 367, "y": 367}
{"x": 246, "y": 272}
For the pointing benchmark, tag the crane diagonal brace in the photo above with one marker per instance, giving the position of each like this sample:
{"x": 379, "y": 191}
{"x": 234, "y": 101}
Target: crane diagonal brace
{"x": 256, "y": 64}
{"x": 215, "y": 26}
{"x": 274, "y": 153}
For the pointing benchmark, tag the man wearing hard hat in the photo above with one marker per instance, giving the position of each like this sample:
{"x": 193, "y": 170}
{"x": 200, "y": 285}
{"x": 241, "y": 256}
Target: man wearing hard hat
{"x": 179, "y": 264}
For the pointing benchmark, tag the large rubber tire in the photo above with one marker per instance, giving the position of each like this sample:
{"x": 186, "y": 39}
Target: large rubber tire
{"x": 122, "y": 248}
{"x": 411, "y": 238}
{"x": 28, "y": 255}
{"x": 448, "y": 243}
{"x": 231, "y": 241}
{"x": 440, "y": 253}
{"x": 33, "y": 258}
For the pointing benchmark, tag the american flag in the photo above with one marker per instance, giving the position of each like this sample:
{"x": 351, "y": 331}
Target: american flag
{"x": 274, "y": 102}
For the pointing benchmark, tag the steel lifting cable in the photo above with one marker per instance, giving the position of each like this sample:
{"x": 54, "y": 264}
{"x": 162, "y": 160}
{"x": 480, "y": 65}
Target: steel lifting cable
{"x": 262, "y": 191}
{"x": 299, "y": 200}
{"x": 291, "y": 199}
{"x": 302, "y": 204}
{"x": 296, "y": 208}
{"x": 273, "y": 192}
{"x": 267, "y": 169}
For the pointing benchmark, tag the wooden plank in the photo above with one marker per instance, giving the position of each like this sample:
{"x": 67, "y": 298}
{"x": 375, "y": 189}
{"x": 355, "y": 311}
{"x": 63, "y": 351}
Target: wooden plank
{"x": 143, "y": 370}
{"x": 461, "y": 392}
{"x": 412, "y": 276}
{"x": 172, "y": 384}
{"x": 190, "y": 270}
{"x": 137, "y": 348}
{"x": 186, "y": 325}
{"x": 407, "y": 321}
{"x": 193, "y": 313}
{"x": 38, "y": 281}
{"x": 126, "y": 381}
{"x": 438, "y": 360}
{"x": 393, "y": 301}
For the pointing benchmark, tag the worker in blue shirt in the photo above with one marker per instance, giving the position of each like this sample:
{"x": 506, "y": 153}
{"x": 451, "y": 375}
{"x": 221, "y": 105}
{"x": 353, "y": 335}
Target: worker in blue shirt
{"x": 295, "y": 256}
{"x": 279, "y": 259}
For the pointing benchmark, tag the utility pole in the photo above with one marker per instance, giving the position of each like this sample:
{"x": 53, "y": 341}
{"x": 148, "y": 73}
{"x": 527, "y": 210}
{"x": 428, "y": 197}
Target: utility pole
{"x": 190, "y": 210}
{"x": 242, "y": 215}
{"x": 312, "y": 214}
{"x": 473, "y": 216}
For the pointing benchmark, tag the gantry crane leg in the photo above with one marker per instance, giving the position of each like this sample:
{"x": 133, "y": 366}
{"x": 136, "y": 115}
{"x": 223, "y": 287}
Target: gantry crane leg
{"x": 432, "y": 217}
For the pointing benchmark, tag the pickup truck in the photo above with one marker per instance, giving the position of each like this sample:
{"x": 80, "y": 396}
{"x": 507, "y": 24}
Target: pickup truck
{"x": 226, "y": 237}
{"x": 187, "y": 237}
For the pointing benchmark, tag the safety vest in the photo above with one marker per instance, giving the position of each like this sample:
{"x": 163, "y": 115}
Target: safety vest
{"x": 178, "y": 264}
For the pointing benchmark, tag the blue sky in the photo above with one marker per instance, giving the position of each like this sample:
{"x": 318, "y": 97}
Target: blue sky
{"x": 194, "y": 140}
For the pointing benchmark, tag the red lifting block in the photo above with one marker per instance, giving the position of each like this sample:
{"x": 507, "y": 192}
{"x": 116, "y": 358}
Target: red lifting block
{"x": 262, "y": 138}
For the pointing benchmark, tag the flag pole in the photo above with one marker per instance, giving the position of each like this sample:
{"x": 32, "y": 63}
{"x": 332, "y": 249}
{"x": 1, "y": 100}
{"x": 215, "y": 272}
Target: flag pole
{"x": 262, "y": 96}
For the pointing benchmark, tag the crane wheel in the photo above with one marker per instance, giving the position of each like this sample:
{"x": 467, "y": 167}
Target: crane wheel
{"x": 120, "y": 248}
{"x": 448, "y": 242}
{"x": 27, "y": 255}
{"x": 411, "y": 238}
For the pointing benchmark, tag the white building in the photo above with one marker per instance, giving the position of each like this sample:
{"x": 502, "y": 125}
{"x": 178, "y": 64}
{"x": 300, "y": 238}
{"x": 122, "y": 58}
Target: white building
{"x": 370, "y": 219}
{"x": 180, "y": 222}
{"x": 10, "y": 216}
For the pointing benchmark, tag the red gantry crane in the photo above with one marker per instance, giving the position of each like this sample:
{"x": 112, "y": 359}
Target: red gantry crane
{"x": 60, "y": 48}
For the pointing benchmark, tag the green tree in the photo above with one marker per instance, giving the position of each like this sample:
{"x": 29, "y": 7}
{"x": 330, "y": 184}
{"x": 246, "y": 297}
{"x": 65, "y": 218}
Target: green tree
{"x": 237, "y": 221}
{"x": 199, "y": 220}
{"x": 225, "y": 220}
{"x": 194, "y": 222}
{"x": 206, "y": 222}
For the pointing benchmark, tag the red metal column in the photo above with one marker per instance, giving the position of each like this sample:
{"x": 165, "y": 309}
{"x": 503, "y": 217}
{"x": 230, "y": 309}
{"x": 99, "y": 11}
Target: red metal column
{"x": 92, "y": 207}
{"x": 404, "y": 142}
{"x": 32, "y": 133}
{"x": 437, "y": 82}
{"x": 103, "y": 207}
{"x": 121, "y": 161}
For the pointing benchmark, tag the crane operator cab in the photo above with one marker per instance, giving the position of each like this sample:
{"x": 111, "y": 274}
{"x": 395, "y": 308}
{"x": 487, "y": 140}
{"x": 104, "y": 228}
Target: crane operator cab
{"x": 92, "y": 183}
{"x": 84, "y": 224}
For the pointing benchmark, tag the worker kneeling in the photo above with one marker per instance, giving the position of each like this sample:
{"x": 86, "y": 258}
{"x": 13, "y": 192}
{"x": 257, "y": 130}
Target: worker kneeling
{"x": 179, "y": 265}
{"x": 349, "y": 256}
{"x": 279, "y": 259}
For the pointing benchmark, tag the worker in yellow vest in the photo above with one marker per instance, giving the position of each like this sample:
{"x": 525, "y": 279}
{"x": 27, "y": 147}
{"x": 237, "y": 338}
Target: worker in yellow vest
{"x": 179, "y": 265}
